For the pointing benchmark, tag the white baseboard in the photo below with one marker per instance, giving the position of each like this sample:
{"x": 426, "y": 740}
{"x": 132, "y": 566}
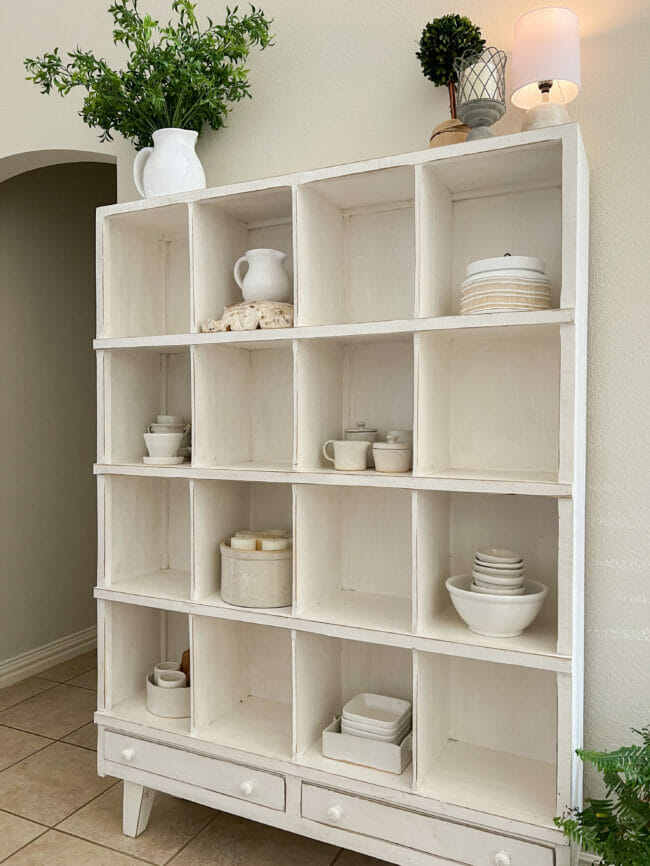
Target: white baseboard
{"x": 40, "y": 659}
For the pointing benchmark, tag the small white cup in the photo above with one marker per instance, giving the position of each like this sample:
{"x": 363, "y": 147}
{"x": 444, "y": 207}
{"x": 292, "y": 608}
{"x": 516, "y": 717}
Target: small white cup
{"x": 172, "y": 680}
{"x": 163, "y": 667}
{"x": 163, "y": 444}
{"x": 349, "y": 455}
{"x": 243, "y": 543}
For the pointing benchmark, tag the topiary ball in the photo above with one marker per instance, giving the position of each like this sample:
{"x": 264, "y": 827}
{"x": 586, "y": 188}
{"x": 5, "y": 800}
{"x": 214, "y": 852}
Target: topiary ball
{"x": 443, "y": 40}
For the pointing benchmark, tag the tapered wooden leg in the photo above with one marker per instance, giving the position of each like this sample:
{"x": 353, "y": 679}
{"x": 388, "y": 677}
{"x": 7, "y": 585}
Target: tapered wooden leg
{"x": 136, "y": 808}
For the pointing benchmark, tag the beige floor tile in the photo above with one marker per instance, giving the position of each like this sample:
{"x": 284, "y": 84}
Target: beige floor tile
{"x": 53, "y": 783}
{"x": 85, "y": 681}
{"x": 72, "y": 668}
{"x": 85, "y": 737}
{"x": 57, "y": 849}
{"x": 21, "y": 691}
{"x": 172, "y": 824}
{"x": 54, "y": 713}
{"x": 16, "y": 832}
{"x": 233, "y": 841}
{"x": 16, "y": 745}
{"x": 351, "y": 858}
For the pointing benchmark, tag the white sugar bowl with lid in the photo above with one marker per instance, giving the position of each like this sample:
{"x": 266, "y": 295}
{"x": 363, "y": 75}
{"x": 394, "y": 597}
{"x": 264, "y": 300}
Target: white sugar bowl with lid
{"x": 505, "y": 284}
{"x": 392, "y": 455}
{"x": 361, "y": 432}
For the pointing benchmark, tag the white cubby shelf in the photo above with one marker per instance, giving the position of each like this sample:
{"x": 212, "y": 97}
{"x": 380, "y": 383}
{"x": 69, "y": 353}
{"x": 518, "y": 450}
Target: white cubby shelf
{"x": 376, "y": 253}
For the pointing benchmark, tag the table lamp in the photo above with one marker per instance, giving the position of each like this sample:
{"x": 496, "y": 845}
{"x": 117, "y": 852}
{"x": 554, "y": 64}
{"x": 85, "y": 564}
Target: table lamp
{"x": 545, "y": 65}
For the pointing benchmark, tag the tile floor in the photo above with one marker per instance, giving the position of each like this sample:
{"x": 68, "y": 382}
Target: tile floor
{"x": 56, "y": 811}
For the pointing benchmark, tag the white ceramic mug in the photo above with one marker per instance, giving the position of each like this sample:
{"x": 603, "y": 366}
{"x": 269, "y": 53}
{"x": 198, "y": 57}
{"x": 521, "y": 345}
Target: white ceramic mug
{"x": 266, "y": 278}
{"x": 163, "y": 667}
{"x": 348, "y": 454}
{"x": 163, "y": 444}
{"x": 172, "y": 680}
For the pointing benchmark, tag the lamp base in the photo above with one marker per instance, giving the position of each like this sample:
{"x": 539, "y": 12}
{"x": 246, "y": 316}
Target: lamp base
{"x": 545, "y": 114}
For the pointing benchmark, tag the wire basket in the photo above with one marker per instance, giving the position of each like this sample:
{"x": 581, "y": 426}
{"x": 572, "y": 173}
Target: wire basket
{"x": 481, "y": 99}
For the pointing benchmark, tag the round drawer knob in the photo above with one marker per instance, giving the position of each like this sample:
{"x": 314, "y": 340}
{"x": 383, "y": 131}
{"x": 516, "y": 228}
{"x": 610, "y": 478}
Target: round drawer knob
{"x": 246, "y": 788}
{"x": 502, "y": 859}
{"x": 127, "y": 754}
{"x": 334, "y": 813}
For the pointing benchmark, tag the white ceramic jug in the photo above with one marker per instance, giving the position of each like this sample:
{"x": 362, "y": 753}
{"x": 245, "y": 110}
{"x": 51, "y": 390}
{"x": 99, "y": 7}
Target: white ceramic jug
{"x": 170, "y": 166}
{"x": 266, "y": 278}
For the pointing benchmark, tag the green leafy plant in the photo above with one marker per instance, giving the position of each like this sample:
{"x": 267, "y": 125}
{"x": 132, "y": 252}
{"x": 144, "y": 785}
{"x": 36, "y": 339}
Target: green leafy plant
{"x": 179, "y": 75}
{"x": 443, "y": 40}
{"x": 616, "y": 829}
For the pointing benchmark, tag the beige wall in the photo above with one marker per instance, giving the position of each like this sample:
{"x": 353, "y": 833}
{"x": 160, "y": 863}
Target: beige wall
{"x": 342, "y": 84}
{"x": 47, "y": 394}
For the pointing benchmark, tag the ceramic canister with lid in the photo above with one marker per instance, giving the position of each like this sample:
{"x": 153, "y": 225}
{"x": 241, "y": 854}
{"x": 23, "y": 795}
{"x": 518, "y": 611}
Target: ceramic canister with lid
{"x": 361, "y": 432}
{"x": 392, "y": 455}
{"x": 505, "y": 283}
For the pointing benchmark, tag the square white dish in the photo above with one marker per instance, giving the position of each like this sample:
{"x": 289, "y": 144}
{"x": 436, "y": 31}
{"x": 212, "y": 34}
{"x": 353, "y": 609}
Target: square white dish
{"x": 388, "y": 757}
{"x": 377, "y": 710}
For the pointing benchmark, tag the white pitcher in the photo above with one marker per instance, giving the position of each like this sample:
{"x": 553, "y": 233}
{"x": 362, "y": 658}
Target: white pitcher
{"x": 266, "y": 278}
{"x": 170, "y": 166}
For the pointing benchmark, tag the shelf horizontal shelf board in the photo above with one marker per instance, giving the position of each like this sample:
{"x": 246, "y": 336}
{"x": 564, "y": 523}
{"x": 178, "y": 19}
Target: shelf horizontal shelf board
{"x": 363, "y": 610}
{"x": 355, "y": 332}
{"x": 534, "y": 141}
{"x": 447, "y": 482}
{"x": 168, "y": 583}
{"x": 257, "y": 725}
{"x": 134, "y": 710}
{"x": 319, "y": 770}
{"x": 514, "y": 787}
{"x": 524, "y": 654}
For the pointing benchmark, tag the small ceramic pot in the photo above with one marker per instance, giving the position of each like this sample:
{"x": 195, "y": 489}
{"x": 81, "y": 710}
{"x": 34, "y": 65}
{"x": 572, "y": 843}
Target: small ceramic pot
{"x": 392, "y": 455}
{"x": 162, "y": 667}
{"x": 163, "y": 444}
{"x": 362, "y": 433}
{"x": 167, "y": 703}
{"x": 172, "y": 680}
{"x": 256, "y": 578}
{"x": 348, "y": 456}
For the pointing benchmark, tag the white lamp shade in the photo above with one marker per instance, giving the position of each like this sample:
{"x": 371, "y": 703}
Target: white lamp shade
{"x": 546, "y": 48}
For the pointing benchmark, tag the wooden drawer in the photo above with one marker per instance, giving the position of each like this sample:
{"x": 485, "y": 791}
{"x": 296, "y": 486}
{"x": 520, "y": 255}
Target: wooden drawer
{"x": 234, "y": 780}
{"x": 466, "y": 845}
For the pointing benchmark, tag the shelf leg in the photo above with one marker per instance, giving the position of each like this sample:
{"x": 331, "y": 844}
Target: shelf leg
{"x": 136, "y": 808}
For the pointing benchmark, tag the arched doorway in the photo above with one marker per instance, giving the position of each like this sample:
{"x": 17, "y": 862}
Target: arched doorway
{"x": 47, "y": 400}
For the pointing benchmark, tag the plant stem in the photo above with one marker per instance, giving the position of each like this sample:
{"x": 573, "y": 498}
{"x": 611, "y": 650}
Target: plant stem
{"x": 452, "y": 100}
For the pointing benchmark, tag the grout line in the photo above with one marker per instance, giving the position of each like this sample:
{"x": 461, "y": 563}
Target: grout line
{"x": 35, "y": 752}
{"x": 27, "y": 844}
{"x": 83, "y": 806}
{"x": 198, "y": 833}
{"x": 337, "y": 856}
{"x": 22, "y": 701}
{"x": 99, "y": 844}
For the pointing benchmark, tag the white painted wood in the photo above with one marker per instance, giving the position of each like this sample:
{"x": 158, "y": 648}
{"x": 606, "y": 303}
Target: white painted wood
{"x": 497, "y": 405}
{"x": 136, "y": 808}
{"x": 243, "y": 411}
{"x": 412, "y": 830}
{"x": 489, "y": 403}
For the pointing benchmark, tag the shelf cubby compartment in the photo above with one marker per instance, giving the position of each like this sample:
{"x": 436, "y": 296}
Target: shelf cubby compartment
{"x": 146, "y": 278}
{"x": 138, "y": 385}
{"x": 137, "y": 639}
{"x": 344, "y": 381}
{"x": 356, "y": 248}
{"x": 489, "y": 403}
{"x": 451, "y": 526}
{"x": 243, "y": 413}
{"x": 220, "y": 509}
{"x": 147, "y": 536}
{"x": 242, "y": 686}
{"x": 328, "y": 673}
{"x": 223, "y": 229}
{"x": 353, "y": 556}
{"x": 486, "y": 736}
{"x": 484, "y": 206}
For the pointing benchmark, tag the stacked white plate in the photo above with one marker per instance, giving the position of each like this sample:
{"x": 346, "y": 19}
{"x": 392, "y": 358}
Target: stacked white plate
{"x": 497, "y": 571}
{"x": 376, "y": 717}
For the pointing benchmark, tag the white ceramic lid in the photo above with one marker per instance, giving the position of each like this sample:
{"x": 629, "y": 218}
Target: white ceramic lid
{"x": 360, "y": 427}
{"x": 392, "y": 443}
{"x": 516, "y": 263}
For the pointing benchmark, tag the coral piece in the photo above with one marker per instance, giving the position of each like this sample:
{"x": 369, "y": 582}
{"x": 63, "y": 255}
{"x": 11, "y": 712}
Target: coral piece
{"x": 250, "y": 316}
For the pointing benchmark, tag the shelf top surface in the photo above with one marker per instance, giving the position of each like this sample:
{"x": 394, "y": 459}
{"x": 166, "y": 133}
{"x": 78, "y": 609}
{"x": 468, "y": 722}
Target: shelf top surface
{"x": 541, "y": 139}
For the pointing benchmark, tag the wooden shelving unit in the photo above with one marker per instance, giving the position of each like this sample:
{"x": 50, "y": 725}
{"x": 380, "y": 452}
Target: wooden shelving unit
{"x": 377, "y": 251}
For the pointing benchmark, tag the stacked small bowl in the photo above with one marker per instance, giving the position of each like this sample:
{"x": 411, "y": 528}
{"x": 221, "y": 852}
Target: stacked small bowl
{"x": 376, "y": 717}
{"x": 497, "y": 571}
